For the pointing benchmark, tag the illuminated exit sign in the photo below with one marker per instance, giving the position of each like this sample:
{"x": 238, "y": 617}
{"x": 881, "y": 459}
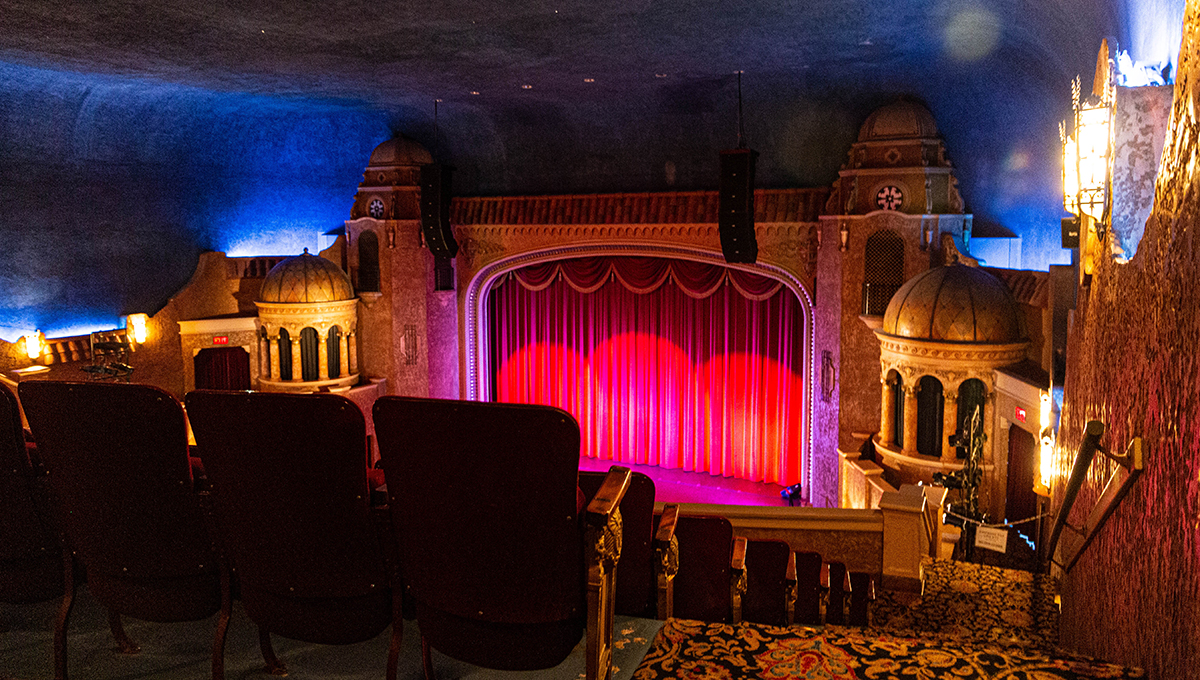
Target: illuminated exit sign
{"x": 224, "y": 340}
{"x": 1020, "y": 414}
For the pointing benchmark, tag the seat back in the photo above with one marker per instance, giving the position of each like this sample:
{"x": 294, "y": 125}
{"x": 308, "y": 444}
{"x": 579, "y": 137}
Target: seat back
{"x": 288, "y": 478}
{"x": 118, "y": 461}
{"x": 766, "y": 595}
{"x": 702, "y": 583}
{"x": 30, "y": 555}
{"x": 635, "y": 577}
{"x": 483, "y": 499}
{"x": 808, "y": 588}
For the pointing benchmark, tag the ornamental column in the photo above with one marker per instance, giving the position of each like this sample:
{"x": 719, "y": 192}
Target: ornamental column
{"x": 343, "y": 356}
{"x": 352, "y": 339}
{"x": 887, "y": 419}
{"x": 274, "y": 374}
{"x": 949, "y": 425}
{"x": 323, "y": 355}
{"x": 910, "y": 420}
{"x": 297, "y": 360}
{"x": 263, "y": 366}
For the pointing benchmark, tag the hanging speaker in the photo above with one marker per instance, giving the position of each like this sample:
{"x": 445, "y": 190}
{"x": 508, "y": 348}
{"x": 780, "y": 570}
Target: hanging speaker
{"x": 435, "y": 210}
{"x": 736, "y": 206}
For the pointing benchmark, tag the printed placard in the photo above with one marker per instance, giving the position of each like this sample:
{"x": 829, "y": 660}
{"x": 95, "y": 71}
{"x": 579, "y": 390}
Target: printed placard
{"x": 992, "y": 539}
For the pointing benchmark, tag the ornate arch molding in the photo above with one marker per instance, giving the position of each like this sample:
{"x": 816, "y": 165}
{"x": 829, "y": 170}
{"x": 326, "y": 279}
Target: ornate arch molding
{"x": 474, "y": 309}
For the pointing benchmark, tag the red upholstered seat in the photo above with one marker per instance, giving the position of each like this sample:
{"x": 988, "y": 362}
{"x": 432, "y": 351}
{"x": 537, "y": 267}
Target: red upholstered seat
{"x": 483, "y": 498}
{"x": 635, "y": 578}
{"x": 118, "y": 460}
{"x": 290, "y": 490}
{"x": 808, "y": 588}
{"x": 30, "y": 554}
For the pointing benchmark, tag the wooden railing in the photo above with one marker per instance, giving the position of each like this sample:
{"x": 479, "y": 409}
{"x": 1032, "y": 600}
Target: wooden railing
{"x": 1129, "y": 469}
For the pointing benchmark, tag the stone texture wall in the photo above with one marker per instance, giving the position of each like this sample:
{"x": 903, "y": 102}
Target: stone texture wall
{"x": 1134, "y": 362}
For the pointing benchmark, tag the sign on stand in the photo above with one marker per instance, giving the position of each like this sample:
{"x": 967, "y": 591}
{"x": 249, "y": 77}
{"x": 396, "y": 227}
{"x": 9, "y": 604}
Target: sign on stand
{"x": 991, "y": 539}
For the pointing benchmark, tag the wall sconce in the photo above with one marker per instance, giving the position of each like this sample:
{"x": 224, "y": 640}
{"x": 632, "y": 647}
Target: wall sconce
{"x": 845, "y": 234}
{"x": 1041, "y": 485}
{"x": 391, "y": 234}
{"x": 34, "y": 344}
{"x": 1087, "y": 154}
{"x": 135, "y": 327}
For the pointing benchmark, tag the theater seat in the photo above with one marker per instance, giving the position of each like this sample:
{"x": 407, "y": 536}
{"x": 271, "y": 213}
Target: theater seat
{"x": 289, "y": 484}
{"x": 643, "y": 541}
{"x": 30, "y": 554}
{"x": 768, "y": 588}
{"x": 711, "y": 578}
{"x": 504, "y": 573}
{"x": 119, "y": 471}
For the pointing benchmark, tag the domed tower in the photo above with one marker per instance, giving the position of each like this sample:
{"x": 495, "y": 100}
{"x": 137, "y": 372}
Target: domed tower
{"x": 404, "y": 277}
{"x": 308, "y": 319}
{"x": 944, "y": 334}
{"x": 898, "y": 163}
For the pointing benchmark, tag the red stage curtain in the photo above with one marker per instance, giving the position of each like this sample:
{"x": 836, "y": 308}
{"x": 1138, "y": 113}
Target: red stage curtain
{"x": 663, "y": 362}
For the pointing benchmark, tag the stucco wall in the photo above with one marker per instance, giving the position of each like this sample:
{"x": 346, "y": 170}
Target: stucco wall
{"x": 1134, "y": 362}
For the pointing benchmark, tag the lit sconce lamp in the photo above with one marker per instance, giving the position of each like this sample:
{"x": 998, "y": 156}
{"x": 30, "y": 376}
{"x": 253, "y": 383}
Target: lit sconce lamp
{"x": 1087, "y": 157}
{"x": 135, "y": 327}
{"x": 845, "y": 234}
{"x": 33, "y": 344}
{"x": 1041, "y": 485}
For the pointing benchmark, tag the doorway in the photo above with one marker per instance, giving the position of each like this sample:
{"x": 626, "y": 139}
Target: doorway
{"x": 1021, "y": 501}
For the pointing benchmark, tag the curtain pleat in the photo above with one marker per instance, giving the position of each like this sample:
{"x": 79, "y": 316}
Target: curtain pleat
{"x": 663, "y": 362}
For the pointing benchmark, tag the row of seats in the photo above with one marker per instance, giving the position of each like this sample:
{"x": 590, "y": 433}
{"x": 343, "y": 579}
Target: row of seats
{"x": 276, "y": 504}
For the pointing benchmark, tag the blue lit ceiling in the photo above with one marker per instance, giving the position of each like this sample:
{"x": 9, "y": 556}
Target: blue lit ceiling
{"x": 133, "y": 135}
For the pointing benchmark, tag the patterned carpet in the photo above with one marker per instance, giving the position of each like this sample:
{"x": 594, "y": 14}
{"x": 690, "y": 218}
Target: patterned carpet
{"x": 971, "y": 621}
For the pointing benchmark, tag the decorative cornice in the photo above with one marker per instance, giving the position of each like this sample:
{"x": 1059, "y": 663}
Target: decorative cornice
{"x": 681, "y": 207}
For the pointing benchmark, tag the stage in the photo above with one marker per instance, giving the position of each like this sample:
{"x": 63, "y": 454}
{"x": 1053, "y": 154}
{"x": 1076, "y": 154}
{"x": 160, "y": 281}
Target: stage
{"x": 680, "y": 486}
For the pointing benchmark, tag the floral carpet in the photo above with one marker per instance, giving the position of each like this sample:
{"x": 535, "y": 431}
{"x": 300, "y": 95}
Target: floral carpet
{"x": 693, "y": 650}
{"x": 970, "y": 621}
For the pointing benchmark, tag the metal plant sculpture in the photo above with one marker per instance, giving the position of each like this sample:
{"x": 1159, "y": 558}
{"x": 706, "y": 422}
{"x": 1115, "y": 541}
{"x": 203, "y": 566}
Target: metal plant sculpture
{"x": 967, "y": 480}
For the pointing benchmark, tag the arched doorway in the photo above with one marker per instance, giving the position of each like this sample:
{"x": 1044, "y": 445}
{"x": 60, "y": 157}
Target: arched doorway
{"x": 930, "y": 405}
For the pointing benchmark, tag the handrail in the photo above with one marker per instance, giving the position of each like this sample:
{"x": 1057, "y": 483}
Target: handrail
{"x": 1130, "y": 468}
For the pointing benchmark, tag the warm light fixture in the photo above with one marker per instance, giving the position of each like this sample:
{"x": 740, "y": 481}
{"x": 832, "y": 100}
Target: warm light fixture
{"x": 1046, "y": 454}
{"x": 1087, "y": 154}
{"x": 33, "y": 344}
{"x": 136, "y": 327}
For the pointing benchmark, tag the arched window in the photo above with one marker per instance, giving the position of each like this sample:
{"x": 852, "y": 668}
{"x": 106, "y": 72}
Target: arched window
{"x": 285, "y": 355}
{"x": 333, "y": 349}
{"x": 883, "y": 270}
{"x": 897, "y": 406}
{"x": 971, "y": 395}
{"x": 309, "y": 357}
{"x": 368, "y": 262}
{"x": 929, "y": 416}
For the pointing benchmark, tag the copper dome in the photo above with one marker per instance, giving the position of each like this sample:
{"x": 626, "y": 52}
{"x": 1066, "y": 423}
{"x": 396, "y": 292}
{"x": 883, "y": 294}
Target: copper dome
{"x": 954, "y": 303}
{"x": 306, "y": 278}
{"x": 902, "y": 119}
{"x": 399, "y": 150}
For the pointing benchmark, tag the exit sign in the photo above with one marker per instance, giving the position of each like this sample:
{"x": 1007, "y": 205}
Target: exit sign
{"x": 224, "y": 340}
{"x": 1020, "y": 414}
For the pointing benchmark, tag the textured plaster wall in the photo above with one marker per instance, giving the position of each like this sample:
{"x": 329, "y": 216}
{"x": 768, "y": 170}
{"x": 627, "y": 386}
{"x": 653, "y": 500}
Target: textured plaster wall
{"x": 1133, "y": 362}
{"x": 110, "y": 188}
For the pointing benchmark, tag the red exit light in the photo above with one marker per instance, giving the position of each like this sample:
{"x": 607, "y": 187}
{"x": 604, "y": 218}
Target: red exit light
{"x": 224, "y": 340}
{"x": 1020, "y": 413}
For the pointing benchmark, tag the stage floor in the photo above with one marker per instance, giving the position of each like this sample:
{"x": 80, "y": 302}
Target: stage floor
{"x": 680, "y": 486}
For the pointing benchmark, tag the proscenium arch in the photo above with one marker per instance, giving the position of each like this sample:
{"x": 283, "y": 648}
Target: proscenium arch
{"x": 475, "y": 320}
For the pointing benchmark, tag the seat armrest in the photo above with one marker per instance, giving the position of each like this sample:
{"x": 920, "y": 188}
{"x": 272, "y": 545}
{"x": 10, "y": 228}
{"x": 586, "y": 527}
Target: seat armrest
{"x": 737, "y": 578}
{"x": 666, "y": 564}
{"x": 612, "y": 490}
{"x": 665, "y": 533}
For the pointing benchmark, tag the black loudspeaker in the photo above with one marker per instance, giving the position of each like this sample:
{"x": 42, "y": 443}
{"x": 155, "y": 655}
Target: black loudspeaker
{"x": 1070, "y": 232}
{"x": 736, "y": 210}
{"x": 435, "y": 210}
